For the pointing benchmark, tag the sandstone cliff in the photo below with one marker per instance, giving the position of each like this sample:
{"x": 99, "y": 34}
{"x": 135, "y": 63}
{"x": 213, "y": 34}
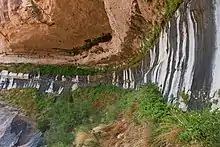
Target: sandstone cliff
{"x": 28, "y": 25}
{"x": 71, "y": 31}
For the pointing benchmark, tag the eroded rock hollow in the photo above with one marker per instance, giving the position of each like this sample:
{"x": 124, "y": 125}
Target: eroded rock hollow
{"x": 39, "y": 25}
{"x": 68, "y": 31}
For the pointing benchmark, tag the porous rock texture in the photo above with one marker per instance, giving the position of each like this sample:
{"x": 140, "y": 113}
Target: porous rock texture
{"x": 58, "y": 32}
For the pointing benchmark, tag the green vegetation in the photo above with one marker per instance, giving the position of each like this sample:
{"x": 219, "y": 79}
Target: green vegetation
{"x": 185, "y": 97}
{"x": 171, "y": 7}
{"x": 150, "y": 38}
{"x": 67, "y": 70}
{"x": 218, "y": 92}
{"x": 199, "y": 128}
{"x": 59, "y": 117}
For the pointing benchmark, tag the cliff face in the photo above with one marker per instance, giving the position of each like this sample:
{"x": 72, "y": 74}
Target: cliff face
{"x": 76, "y": 31}
{"x": 36, "y": 25}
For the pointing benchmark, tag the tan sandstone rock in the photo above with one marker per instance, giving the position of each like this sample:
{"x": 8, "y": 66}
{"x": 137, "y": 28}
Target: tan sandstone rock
{"x": 58, "y": 31}
{"x": 38, "y": 25}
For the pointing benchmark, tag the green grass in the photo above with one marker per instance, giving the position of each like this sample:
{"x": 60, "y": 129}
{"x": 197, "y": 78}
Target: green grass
{"x": 59, "y": 117}
{"x": 194, "y": 128}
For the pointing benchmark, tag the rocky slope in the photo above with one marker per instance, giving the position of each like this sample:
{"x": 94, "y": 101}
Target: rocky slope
{"x": 82, "y": 32}
{"x": 122, "y": 133}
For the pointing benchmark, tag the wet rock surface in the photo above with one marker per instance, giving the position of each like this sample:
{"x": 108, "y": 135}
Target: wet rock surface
{"x": 16, "y": 130}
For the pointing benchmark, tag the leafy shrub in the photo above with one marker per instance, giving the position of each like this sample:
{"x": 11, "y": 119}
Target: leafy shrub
{"x": 189, "y": 128}
{"x": 67, "y": 70}
{"x": 171, "y": 7}
{"x": 84, "y": 107}
{"x": 151, "y": 104}
{"x": 185, "y": 97}
{"x": 202, "y": 127}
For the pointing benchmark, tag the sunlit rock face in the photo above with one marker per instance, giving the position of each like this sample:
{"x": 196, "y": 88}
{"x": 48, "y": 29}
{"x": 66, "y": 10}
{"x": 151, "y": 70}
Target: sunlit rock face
{"x": 75, "y": 32}
{"x": 16, "y": 129}
{"x": 34, "y": 26}
{"x": 72, "y": 31}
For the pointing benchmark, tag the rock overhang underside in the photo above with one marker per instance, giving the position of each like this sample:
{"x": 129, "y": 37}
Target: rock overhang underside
{"x": 84, "y": 32}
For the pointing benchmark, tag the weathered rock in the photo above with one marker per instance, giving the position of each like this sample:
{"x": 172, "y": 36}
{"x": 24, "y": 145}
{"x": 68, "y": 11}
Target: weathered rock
{"x": 28, "y": 25}
{"x": 74, "y": 31}
{"x": 84, "y": 139}
{"x": 17, "y": 130}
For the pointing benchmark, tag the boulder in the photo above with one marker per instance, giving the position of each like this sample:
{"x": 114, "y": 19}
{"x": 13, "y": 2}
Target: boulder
{"x": 16, "y": 129}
